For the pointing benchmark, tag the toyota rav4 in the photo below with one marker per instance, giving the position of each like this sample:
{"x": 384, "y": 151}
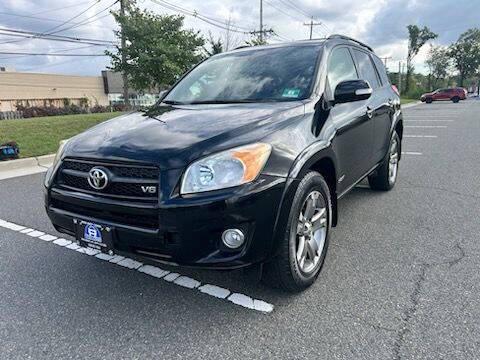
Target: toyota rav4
{"x": 239, "y": 165}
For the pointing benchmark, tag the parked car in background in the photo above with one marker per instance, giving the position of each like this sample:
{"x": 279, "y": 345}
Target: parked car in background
{"x": 453, "y": 94}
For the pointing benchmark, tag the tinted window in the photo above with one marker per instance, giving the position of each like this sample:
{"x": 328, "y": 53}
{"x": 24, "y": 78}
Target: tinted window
{"x": 381, "y": 71}
{"x": 340, "y": 68}
{"x": 366, "y": 69}
{"x": 274, "y": 74}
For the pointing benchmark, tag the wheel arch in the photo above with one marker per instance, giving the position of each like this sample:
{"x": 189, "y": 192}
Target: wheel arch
{"x": 315, "y": 158}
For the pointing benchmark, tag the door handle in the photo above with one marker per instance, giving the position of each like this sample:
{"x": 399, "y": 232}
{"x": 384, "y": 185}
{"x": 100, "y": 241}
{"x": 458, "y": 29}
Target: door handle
{"x": 369, "y": 112}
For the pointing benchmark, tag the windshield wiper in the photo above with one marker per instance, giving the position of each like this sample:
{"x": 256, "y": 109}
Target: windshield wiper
{"x": 243, "y": 101}
{"x": 173, "y": 102}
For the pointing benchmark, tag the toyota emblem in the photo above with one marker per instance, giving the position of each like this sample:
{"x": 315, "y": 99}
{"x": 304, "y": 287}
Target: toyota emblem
{"x": 98, "y": 178}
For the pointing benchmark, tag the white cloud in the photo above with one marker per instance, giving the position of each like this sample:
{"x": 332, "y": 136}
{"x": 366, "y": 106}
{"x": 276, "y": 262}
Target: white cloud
{"x": 381, "y": 23}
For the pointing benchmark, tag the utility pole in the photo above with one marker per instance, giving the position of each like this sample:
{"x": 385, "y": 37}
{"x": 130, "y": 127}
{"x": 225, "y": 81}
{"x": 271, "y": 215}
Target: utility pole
{"x": 400, "y": 77}
{"x": 385, "y": 59}
{"x": 261, "y": 20}
{"x": 123, "y": 5}
{"x": 312, "y": 24}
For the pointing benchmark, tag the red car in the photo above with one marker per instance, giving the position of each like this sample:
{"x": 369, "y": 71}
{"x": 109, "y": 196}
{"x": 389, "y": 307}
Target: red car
{"x": 453, "y": 94}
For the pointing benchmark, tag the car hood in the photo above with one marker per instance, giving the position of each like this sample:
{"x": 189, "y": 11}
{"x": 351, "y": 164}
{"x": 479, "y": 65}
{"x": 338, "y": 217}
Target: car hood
{"x": 427, "y": 94}
{"x": 173, "y": 136}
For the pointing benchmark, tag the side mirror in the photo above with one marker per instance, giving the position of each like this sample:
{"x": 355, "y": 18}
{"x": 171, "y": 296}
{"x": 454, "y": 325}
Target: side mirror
{"x": 352, "y": 90}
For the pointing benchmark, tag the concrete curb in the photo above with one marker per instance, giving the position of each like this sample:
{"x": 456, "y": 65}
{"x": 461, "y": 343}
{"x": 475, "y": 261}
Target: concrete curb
{"x": 21, "y": 167}
{"x": 406, "y": 106}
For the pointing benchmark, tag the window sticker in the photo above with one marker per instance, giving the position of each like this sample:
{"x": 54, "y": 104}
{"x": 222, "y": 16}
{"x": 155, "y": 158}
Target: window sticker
{"x": 291, "y": 93}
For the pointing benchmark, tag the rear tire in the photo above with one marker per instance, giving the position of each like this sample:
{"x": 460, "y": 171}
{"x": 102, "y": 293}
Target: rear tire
{"x": 304, "y": 245}
{"x": 385, "y": 176}
{"x": 455, "y": 99}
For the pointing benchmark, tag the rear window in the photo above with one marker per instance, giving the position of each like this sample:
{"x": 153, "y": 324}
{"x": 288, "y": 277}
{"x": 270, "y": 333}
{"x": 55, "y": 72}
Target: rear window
{"x": 381, "y": 70}
{"x": 367, "y": 70}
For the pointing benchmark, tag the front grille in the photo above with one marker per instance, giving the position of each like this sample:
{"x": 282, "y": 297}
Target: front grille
{"x": 148, "y": 220}
{"x": 130, "y": 171}
{"x": 130, "y": 182}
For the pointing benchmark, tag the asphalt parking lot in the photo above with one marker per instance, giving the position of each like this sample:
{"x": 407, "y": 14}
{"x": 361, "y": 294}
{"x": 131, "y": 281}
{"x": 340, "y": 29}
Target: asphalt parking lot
{"x": 401, "y": 279}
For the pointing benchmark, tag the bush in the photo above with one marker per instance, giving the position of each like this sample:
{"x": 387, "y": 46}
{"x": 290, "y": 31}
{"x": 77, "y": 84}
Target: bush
{"x": 37, "y": 111}
{"x": 120, "y": 107}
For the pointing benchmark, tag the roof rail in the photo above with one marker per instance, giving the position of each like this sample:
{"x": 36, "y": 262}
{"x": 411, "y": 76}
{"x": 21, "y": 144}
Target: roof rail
{"x": 344, "y": 37}
{"x": 242, "y": 47}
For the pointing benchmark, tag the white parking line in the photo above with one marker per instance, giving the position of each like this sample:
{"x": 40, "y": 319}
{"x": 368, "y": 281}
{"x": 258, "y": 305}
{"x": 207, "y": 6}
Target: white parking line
{"x": 426, "y": 126}
{"x": 426, "y": 120}
{"x": 156, "y": 272}
{"x": 411, "y": 153}
{"x": 420, "y": 136}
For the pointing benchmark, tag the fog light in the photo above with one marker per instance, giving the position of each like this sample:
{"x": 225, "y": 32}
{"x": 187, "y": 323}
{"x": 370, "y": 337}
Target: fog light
{"x": 233, "y": 238}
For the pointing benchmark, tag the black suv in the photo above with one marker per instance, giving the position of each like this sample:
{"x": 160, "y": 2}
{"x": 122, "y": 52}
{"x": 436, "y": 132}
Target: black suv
{"x": 241, "y": 163}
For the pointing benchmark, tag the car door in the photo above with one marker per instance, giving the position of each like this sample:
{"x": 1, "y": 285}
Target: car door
{"x": 382, "y": 122}
{"x": 442, "y": 95}
{"x": 354, "y": 130}
{"x": 377, "y": 105}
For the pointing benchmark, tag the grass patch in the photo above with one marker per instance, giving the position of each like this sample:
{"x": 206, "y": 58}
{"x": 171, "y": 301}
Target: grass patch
{"x": 407, "y": 100}
{"x": 41, "y": 136}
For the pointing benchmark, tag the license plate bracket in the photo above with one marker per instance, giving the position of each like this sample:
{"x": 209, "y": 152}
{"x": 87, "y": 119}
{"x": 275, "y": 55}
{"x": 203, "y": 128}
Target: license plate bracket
{"x": 95, "y": 236}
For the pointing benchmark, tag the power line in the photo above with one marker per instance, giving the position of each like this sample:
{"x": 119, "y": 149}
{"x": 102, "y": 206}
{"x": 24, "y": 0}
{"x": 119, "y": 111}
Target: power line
{"x": 88, "y": 20}
{"x": 51, "y": 30}
{"x": 30, "y": 17}
{"x": 24, "y": 33}
{"x": 282, "y": 11}
{"x": 69, "y": 61}
{"x": 60, "y": 8}
{"x": 207, "y": 19}
{"x": 293, "y": 6}
{"x": 72, "y": 18}
{"x": 56, "y": 50}
{"x": 48, "y": 54}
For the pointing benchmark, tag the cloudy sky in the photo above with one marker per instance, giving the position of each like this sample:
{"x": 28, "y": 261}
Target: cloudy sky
{"x": 380, "y": 23}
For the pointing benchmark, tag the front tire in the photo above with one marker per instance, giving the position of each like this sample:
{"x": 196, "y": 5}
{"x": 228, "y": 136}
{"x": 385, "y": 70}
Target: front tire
{"x": 385, "y": 177}
{"x": 304, "y": 245}
{"x": 429, "y": 100}
{"x": 456, "y": 99}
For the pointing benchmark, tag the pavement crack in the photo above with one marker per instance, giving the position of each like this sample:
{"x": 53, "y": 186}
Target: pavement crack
{"x": 40, "y": 165}
{"x": 415, "y": 298}
{"x": 448, "y": 191}
{"x": 409, "y": 312}
{"x": 455, "y": 260}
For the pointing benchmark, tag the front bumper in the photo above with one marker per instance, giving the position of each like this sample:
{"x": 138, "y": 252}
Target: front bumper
{"x": 181, "y": 230}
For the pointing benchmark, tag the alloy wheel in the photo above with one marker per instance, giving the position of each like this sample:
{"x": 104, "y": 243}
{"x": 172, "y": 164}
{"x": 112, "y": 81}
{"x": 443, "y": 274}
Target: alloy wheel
{"x": 311, "y": 232}
{"x": 393, "y": 161}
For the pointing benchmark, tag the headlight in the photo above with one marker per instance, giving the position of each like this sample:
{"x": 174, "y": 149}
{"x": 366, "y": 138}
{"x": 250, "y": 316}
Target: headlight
{"x": 59, "y": 154}
{"x": 226, "y": 169}
{"x": 53, "y": 169}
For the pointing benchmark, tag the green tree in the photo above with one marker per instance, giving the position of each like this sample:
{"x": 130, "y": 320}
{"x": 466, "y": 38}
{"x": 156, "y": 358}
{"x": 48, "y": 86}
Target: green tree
{"x": 438, "y": 62}
{"x": 416, "y": 39}
{"x": 216, "y": 46}
{"x": 158, "y": 48}
{"x": 465, "y": 54}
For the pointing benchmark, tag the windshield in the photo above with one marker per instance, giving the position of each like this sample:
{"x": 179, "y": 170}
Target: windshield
{"x": 272, "y": 74}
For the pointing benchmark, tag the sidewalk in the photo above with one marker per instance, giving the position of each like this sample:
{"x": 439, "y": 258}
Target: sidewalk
{"x": 21, "y": 167}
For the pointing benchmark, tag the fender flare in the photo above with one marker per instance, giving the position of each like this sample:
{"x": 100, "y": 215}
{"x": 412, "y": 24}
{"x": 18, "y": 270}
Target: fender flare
{"x": 302, "y": 164}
